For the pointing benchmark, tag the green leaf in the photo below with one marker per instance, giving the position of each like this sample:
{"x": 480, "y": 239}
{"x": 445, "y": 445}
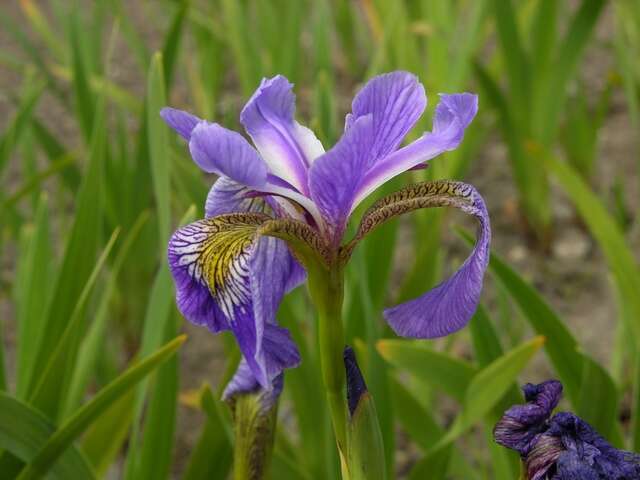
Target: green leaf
{"x": 159, "y": 147}
{"x": 515, "y": 58}
{"x": 52, "y": 386}
{"x": 171, "y": 46}
{"x": 80, "y": 252}
{"x": 599, "y": 401}
{"x": 160, "y": 418}
{"x": 560, "y": 345}
{"x": 24, "y": 431}
{"x": 32, "y": 290}
{"x": 619, "y": 256}
{"x": 84, "y": 101}
{"x": 488, "y": 386}
{"x": 24, "y": 111}
{"x": 437, "y": 369}
{"x": 213, "y": 453}
{"x": 571, "y": 48}
{"x": 104, "y": 439}
{"x": 60, "y": 441}
{"x": 94, "y": 339}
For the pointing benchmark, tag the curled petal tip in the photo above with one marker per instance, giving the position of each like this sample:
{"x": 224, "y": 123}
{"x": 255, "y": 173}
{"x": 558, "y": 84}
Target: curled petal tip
{"x": 182, "y": 122}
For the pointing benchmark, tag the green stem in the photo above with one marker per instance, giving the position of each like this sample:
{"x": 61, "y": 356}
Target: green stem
{"x": 255, "y": 428}
{"x": 327, "y": 293}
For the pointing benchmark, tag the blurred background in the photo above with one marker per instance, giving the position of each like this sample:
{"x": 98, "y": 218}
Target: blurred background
{"x": 93, "y": 183}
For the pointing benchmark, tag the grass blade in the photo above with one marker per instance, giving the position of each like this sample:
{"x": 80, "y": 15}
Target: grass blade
{"x": 159, "y": 146}
{"x": 74, "y": 426}
{"x": 24, "y": 431}
{"x": 488, "y": 386}
{"x": 447, "y": 373}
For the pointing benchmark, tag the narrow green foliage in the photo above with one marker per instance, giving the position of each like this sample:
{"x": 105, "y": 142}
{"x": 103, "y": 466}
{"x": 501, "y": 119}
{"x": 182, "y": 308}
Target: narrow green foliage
{"x": 85, "y": 416}
{"x": 445, "y": 372}
{"x": 212, "y": 454}
{"x": 23, "y": 433}
{"x": 488, "y": 386}
{"x": 52, "y": 387}
{"x": 80, "y": 252}
{"x": 31, "y": 291}
{"x": 159, "y": 146}
{"x": 12, "y": 134}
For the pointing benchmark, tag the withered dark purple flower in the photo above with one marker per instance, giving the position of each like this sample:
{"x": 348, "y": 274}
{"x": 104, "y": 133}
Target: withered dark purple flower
{"x": 563, "y": 446}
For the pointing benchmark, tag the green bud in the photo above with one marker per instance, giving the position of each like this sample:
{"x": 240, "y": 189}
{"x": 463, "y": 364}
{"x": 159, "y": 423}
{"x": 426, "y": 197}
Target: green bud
{"x": 255, "y": 426}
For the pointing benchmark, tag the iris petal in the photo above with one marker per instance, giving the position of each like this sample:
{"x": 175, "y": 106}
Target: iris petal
{"x": 286, "y": 146}
{"x": 335, "y": 176}
{"x": 453, "y": 115}
{"x": 449, "y": 306}
{"x": 224, "y": 152}
{"x": 245, "y": 276}
{"x": 395, "y": 101}
{"x": 181, "y": 121}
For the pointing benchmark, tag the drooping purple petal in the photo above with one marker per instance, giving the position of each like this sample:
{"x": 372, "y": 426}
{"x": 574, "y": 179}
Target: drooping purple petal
{"x": 226, "y": 153}
{"x": 286, "y": 146}
{"x": 521, "y": 425}
{"x": 449, "y": 306}
{"x": 453, "y": 115}
{"x": 383, "y": 112}
{"x": 334, "y": 177}
{"x": 181, "y": 121}
{"x": 243, "y": 382}
{"x": 396, "y": 101}
{"x": 245, "y": 277}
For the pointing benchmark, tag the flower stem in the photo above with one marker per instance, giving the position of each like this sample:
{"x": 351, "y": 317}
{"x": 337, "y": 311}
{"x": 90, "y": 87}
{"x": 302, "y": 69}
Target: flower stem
{"x": 327, "y": 292}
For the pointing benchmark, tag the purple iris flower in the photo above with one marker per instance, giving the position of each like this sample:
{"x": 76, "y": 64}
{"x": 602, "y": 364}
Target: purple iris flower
{"x": 232, "y": 268}
{"x": 562, "y": 447}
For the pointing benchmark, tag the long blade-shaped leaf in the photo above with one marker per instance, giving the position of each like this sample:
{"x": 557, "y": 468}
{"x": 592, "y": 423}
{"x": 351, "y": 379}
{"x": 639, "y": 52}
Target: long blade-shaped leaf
{"x": 24, "y": 431}
{"x": 74, "y": 426}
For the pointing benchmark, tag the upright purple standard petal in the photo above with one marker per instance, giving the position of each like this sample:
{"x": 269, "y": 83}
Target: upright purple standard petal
{"x": 286, "y": 146}
{"x": 384, "y": 111}
{"x": 521, "y": 425}
{"x": 181, "y": 121}
{"x": 453, "y": 115}
{"x": 449, "y": 306}
{"x": 224, "y": 152}
{"x": 396, "y": 101}
{"x": 335, "y": 176}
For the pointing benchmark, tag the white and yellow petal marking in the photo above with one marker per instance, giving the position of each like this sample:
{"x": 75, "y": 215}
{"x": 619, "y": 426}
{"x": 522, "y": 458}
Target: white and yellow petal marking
{"x": 216, "y": 253}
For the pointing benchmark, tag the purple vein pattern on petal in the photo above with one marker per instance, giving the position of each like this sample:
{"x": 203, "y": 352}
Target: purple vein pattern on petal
{"x": 226, "y": 278}
{"x": 286, "y": 146}
{"x": 449, "y": 306}
{"x": 227, "y": 196}
{"x": 181, "y": 121}
{"x": 453, "y": 115}
{"x": 224, "y": 152}
{"x": 334, "y": 177}
{"x": 396, "y": 101}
